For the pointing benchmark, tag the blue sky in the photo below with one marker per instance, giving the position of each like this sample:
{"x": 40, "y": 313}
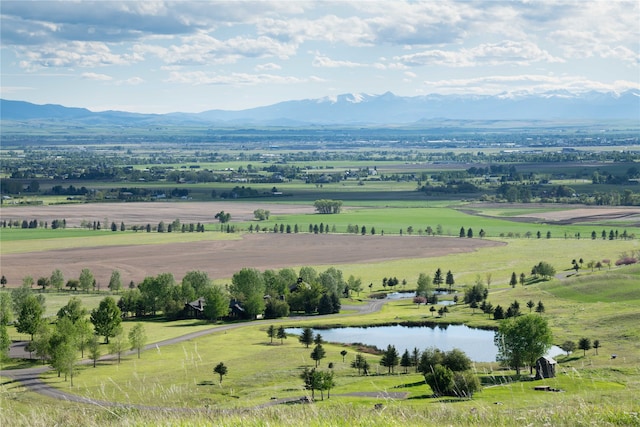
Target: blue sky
{"x": 191, "y": 56}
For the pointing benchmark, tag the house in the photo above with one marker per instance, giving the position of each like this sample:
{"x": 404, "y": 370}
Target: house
{"x": 545, "y": 368}
{"x": 195, "y": 309}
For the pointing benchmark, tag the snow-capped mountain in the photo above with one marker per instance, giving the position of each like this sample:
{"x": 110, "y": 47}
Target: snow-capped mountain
{"x": 366, "y": 109}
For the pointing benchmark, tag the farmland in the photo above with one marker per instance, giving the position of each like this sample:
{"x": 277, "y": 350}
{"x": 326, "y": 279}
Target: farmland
{"x": 407, "y": 231}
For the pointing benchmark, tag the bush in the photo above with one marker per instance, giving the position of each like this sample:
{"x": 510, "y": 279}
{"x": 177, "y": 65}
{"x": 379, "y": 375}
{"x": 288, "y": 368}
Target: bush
{"x": 465, "y": 384}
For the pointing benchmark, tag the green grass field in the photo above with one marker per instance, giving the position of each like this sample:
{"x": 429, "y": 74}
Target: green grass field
{"x": 181, "y": 375}
{"x": 596, "y": 390}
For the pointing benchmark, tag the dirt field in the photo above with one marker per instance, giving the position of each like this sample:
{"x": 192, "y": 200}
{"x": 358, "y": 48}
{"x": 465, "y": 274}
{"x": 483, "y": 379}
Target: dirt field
{"x": 570, "y": 214}
{"x": 591, "y": 214}
{"x": 221, "y": 259}
{"x": 146, "y": 213}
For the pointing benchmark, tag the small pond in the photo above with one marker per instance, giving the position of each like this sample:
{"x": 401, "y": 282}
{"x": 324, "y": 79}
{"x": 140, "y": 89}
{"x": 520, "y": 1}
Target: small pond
{"x": 476, "y": 343}
{"x": 411, "y": 295}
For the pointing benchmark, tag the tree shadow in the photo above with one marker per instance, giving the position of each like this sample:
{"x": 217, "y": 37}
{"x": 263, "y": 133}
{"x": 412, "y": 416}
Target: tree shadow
{"x": 409, "y": 385}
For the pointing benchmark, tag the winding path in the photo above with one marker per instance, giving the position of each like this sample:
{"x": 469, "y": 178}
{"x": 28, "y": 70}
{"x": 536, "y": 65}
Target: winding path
{"x": 30, "y": 377}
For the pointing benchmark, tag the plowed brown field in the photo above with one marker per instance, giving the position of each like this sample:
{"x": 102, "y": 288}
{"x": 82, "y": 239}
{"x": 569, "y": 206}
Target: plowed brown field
{"x": 221, "y": 259}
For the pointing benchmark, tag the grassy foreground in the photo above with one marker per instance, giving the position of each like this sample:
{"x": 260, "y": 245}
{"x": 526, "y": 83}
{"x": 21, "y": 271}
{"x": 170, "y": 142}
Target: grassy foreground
{"x": 596, "y": 390}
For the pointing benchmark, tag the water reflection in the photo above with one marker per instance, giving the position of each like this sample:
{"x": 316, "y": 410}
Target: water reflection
{"x": 476, "y": 343}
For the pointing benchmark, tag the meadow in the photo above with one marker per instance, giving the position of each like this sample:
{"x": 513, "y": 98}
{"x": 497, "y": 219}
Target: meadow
{"x": 178, "y": 379}
{"x": 175, "y": 384}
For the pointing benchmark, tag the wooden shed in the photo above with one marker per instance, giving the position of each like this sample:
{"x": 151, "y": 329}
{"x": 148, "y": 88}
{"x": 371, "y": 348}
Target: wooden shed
{"x": 545, "y": 367}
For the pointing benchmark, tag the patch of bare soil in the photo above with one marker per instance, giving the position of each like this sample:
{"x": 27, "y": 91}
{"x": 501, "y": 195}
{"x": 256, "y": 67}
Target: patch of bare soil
{"x": 569, "y": 215}
{"x": 146, "y": 212}
{"x": 221, "y": 259}
{"x": 591, "y": 214}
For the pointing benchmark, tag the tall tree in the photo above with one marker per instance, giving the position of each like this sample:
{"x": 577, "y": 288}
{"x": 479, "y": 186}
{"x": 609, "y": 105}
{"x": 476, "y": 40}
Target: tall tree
{"x": 514, "y": 280}
{"x": 84, "y": 333}
{"x": 327, "y": 383}
{"x": 6, "y": 314}
{"x": 106, "y": 318}
{"x": 390, "y": 358}
{"x": 584, "y": 344}
{"x": 137, "y": 338}
{"x": 306, "y": 337}
{"x": 94, "y": 349}
{"x": 354, "y": 284}
{"x": 86, "y": 279}
{"x": 281, "y": 334}
{"x": 522, "y": 340}
{"x": 29, "y": 316}
{"x": 43, "y": 283}
{"x": 312, "y": 380}
{"x": 248, "y": 287}
{"x": 423, "y": 285}
{"x": 449, "y": 280}
{"x": 568, "y": 346}
{"x": 73, "y": 310}
{"x": 57, "y": 279}
{"x": 223, "y": 217}
{"x": 359, "y": 363}
{"x": 596, "y": 345}
{"x": 216, "y": 302}
{"x": 437, "y": 278}
{"x": 64, "y": 356}
{"x": 156, "y": 291}
{"x": 405, "y": 361}
{"x": 5, "y": 341}
{"x": 318, "y": 353}
{"x": 429, "y": 358}
{"x": 198, "y": 281}
{"x": 117, "y": 344}
{"x": 530, "y": 305}
{"x": 115, "y": 282}
{"x": 221, "y": 370}
{"x": 271, "y": 333}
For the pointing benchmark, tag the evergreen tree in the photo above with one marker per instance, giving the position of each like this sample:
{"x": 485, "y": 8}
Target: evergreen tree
{"x": 306, "y": 337}
{"x": 405, "y": 361}
{"x": 281, "y": 334}
{"x": 514, "y": 280}
{"x": 390, "y": 358}
{"x": 318, "y": 353}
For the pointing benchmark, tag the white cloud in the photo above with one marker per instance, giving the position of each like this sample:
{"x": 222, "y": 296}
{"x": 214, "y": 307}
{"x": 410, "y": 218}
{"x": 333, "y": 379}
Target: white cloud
{"x": 132, "y": 81}
{"x": 489, "y": 54}
{"x": 530, "y": 83}
{"x": 326, "y": 62}
{"x": 74, "y": 54}
{"x": 269, "y": 66}
{"x": 372, "y": 46}
{"x": 204, "y": 78}
{"x": 96, "y": 76}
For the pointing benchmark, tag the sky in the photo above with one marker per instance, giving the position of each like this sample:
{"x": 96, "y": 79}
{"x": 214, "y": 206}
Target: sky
{"x": 193, "y": 56}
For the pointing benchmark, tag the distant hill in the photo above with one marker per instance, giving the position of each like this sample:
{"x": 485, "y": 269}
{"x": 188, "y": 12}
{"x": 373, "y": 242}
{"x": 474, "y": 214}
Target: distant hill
{"x": 361, "y": 109}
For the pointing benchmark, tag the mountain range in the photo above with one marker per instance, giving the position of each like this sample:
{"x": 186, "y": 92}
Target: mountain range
{"x": 358, "y": 109}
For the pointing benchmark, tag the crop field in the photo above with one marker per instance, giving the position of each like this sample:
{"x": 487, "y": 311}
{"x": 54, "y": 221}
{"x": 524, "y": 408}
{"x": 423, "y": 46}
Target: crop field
{"x": 406, "y": 233}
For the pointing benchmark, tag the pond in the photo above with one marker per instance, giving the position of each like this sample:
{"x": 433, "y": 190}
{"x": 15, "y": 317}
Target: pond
{"x": 411, "y": 295}
{"x": 476, "y": 343}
